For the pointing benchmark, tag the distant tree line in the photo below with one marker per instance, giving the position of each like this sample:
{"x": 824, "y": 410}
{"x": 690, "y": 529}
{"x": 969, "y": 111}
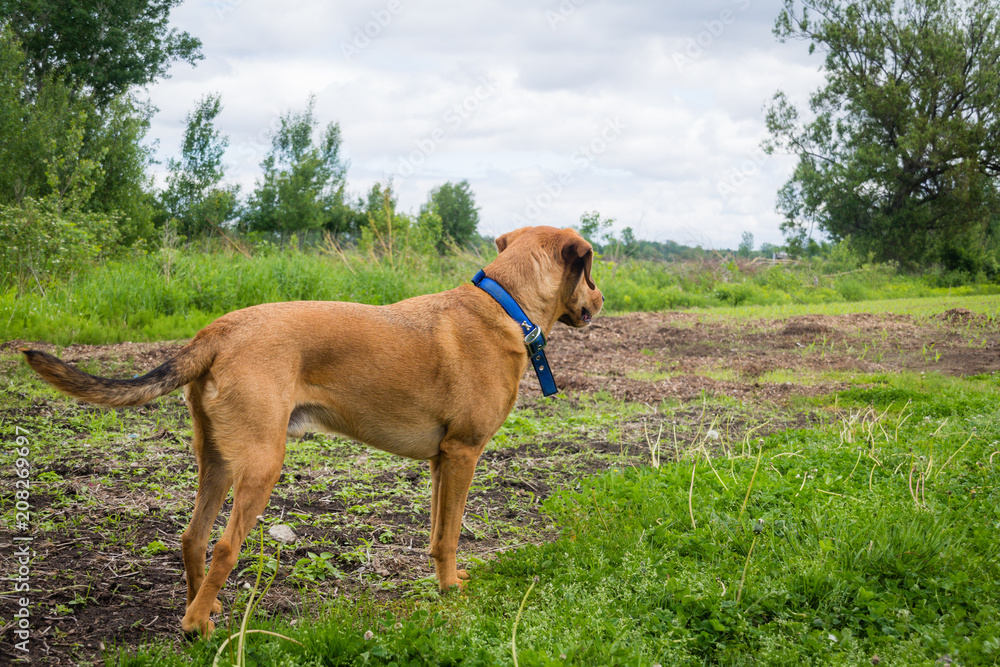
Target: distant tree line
{"x": 616, "y": 246}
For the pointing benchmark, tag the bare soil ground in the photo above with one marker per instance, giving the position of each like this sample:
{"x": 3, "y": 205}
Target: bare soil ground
{"x": 110, "y": 500}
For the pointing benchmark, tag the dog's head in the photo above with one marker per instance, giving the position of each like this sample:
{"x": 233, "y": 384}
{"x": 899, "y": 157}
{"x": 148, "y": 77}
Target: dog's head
{"x": 564, "y": 260}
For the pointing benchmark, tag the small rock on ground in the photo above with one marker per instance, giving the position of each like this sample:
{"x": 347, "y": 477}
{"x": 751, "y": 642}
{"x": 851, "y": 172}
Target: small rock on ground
{"x": 282, "y": 533}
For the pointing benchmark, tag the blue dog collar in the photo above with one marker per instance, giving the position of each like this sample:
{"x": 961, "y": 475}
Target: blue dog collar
{"x": 534, "y": 340}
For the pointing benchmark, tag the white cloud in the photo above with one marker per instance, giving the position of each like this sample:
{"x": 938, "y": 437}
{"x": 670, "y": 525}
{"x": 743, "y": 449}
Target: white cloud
{"x": 687, "y": 83}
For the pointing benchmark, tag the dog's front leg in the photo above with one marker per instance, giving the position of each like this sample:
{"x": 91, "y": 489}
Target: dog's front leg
{"x": 451, "y": 477}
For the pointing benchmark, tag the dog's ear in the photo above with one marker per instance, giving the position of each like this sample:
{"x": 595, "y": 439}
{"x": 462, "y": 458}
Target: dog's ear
{"x": 577, "y": 250}
{"x": 505, "y": 240}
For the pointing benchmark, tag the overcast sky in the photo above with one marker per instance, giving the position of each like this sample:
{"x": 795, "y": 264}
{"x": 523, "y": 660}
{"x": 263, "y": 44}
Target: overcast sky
{"x": 649, "y": 112}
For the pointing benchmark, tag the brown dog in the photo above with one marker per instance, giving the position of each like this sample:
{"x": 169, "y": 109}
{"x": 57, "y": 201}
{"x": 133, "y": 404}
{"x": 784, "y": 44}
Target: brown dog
{"x": 432, "y": 377}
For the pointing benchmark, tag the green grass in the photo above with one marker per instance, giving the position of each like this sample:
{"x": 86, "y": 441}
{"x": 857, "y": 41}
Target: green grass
{"x": 941, "y": 300}
{"x": 650, "y": 286}
{"x": 874, "y": 534}
{"x": 145, "y": 299}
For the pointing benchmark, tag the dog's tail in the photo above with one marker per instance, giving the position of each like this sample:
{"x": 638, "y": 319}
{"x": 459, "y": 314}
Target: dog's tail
{"x": 190, "y": 363}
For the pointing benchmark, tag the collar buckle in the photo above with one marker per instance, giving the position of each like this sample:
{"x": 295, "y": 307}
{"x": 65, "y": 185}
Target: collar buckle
{"x": 534, "y": 341}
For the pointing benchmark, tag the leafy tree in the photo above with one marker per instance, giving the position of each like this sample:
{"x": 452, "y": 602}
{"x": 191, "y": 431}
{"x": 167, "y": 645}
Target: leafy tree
{"x": 78, "y": 63}
{"x": 903, "y": 153}
{"x": 40, "y": 138}
{"x": 347, "y": 220}
{"x": 194, "y": 196}
{"x": 303, "y": 182}
{"x": 598, "y": 231}
{"x": 455, "y": 203}
{"x": 116, "y": 133}
{"x": 49, "y": 223}
{"x": 593, "y": 227}
{"x": 102, "y": 48}
{"x": 12, "y": 131}
{"x": 59, "y": 142}
{"x": 746, "y": 245}
{"x": 45, "y": 239}
{"x": 381, "y": 200}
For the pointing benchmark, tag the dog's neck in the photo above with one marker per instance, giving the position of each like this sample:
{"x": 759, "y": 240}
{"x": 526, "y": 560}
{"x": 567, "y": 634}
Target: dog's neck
{"x": 534, "y": 287}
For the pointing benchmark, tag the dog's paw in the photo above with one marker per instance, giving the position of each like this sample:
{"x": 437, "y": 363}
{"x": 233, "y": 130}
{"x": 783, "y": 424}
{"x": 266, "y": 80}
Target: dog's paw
{"x": 463, "y": 575}
{"x": 457, "y": 585}
{"x": 195, "y": 628}
{"x": 216, "y": 606}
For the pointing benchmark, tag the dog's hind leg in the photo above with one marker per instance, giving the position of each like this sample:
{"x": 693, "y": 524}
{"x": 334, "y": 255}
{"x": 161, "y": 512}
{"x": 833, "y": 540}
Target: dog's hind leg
{"x": 451, "y": 476}
{"x": 255, "y": 472}
{"x": 435, "y": 486}
{"x": 214, "y": 481}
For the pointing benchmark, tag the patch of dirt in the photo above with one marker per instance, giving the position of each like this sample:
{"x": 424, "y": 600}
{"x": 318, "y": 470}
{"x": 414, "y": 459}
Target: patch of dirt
{"x": 650, "y": 357}
{"x": 959, "y": 315}
{"x": 144, "y": 355}
{"x": 804, "y": 326}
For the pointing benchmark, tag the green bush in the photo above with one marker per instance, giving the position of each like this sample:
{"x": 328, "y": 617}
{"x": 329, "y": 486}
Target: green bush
{"x": 852, "y": 290}
{"x": 40, "y": 242}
